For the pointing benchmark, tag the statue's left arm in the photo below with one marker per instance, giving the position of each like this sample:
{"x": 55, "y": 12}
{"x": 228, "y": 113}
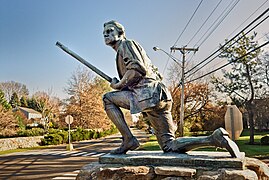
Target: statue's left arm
{"x": 130, "y": 77}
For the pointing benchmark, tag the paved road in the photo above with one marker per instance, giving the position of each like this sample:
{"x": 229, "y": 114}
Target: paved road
{"x": 57, "y": 163}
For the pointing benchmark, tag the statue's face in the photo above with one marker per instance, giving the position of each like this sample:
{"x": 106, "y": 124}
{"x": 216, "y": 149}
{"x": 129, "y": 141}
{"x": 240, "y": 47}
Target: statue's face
{"x": 111, "y": 35}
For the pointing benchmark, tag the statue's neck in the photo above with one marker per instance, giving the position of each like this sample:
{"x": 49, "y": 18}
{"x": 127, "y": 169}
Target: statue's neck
{"x": 116, "y": 45}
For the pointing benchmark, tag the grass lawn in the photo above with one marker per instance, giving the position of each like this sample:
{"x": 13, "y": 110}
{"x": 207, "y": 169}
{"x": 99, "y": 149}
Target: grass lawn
{"x": 257, "y": 150}
{"x": 22, "y": 150}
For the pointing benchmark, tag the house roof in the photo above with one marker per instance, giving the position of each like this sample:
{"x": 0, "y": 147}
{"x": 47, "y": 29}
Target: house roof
{"x": 29, "y": 110}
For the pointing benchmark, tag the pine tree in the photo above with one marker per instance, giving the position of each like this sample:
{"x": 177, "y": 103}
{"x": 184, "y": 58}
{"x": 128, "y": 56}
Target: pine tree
{"x": 3, "y": 101}
{"x": 14, "y": 101}
{"x": 23, "y": 101}
{"x": 243, "y": 81}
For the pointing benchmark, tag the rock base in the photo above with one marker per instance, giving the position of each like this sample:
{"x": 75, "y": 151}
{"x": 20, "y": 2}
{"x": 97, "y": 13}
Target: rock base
{"x": 196, "y": 159}
{"x": 252, "y": 169}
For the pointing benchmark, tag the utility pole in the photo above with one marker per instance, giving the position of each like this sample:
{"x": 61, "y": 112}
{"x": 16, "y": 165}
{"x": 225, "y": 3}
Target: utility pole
{"x": 183, "y": 50}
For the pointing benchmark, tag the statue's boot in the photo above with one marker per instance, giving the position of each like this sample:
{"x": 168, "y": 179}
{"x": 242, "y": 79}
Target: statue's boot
{"x": 126, "y": 145}
{"x": 129, "y": 142}
{"x": 219, "y": 138}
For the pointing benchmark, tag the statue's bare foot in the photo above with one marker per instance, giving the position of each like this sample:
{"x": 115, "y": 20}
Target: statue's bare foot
{"x": 220, "y": 138}
{"x": 130, "y": 144}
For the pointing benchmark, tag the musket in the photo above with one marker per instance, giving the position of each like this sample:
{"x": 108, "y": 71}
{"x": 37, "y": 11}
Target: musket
{"x": 83, "y": 61}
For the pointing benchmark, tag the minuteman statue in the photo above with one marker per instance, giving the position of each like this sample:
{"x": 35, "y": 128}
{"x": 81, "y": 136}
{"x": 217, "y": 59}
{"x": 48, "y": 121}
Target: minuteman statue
{"x": 140, "y": 89}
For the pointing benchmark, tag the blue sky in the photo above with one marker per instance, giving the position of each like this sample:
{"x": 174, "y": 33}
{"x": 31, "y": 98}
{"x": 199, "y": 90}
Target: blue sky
{"x": 29, "y": 30}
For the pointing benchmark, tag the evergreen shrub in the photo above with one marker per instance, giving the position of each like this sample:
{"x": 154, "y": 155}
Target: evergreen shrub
{"x": 265, "y": 140}
{"x": 56, "y": 136}
{"x": 31, "y": 132}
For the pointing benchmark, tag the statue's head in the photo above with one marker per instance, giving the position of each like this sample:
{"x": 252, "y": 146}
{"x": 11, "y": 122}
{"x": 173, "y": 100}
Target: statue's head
{"x": 113, "y": 32}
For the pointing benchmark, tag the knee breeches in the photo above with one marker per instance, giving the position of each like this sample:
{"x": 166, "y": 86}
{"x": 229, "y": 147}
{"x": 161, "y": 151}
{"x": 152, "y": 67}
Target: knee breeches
{"x": 159, "y": 116}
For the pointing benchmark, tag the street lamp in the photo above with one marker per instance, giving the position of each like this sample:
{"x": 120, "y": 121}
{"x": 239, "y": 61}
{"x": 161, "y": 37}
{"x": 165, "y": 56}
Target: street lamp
{"x": 156, "y": 48}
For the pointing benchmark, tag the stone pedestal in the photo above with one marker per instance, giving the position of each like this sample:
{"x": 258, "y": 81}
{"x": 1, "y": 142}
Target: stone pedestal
{"x": 195, "y": 159}
{"x": 158, "y": 165}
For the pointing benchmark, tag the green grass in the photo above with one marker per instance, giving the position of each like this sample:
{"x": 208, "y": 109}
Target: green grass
{"x": 21, "y": 150}
{"x": 151, "y": 145}
{"x": 257, "y": 150}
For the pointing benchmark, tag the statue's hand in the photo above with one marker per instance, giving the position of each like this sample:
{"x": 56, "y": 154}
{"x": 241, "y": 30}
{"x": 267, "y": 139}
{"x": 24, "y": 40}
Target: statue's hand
{"x": 115, "y": 83}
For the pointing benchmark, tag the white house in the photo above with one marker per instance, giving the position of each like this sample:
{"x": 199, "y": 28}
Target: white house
{"x": 30, "y": 113}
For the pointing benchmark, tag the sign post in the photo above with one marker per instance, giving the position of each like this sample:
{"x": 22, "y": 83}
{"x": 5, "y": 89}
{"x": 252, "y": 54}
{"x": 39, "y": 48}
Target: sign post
{"x": 69, "y": 120}
{"x": 233, "y": 122}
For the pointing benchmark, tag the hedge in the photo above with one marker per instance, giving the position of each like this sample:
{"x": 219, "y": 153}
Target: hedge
{"x": 56, "y": 137}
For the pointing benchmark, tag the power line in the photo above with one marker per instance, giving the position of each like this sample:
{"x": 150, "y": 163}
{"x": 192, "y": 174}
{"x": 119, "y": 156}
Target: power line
{"x": 249, "y": 17}
{"x": 241, "y": 25}
{"x": 196, "y": 44}
{"x": 228, "y": 46}
{"x": 218, "y": 23}
{"x": 265, "y": 35}
{"x": 188, "y": 22}
{"x": 233, "y": 32}
{"x": 202, "y": 24}
{"x": 264, "y": 44}
{"x": 217, "y": 20}
{"x": 182, "y": 33}
{"x": 231, "y": 39}
{"x": 205, "y": 21}
{"x": 256, "y": 40}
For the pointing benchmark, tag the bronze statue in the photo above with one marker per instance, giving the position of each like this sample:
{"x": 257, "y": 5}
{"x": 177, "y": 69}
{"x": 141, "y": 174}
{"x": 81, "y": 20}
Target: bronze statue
{"x": 140, "y": 89}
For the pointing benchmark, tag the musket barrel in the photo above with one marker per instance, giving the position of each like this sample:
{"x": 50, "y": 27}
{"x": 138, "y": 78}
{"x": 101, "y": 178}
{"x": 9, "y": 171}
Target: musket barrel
{"x": 83, "y": 61}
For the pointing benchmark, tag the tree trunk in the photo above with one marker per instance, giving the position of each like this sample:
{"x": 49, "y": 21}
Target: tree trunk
{"x": 250, "y": 106}
{"x": 251, "y": 121}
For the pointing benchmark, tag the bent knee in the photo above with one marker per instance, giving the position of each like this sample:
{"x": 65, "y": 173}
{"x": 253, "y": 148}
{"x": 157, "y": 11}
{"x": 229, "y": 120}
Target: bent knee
{"x": 106, "y": 98}
{"x": 108, "y": 101}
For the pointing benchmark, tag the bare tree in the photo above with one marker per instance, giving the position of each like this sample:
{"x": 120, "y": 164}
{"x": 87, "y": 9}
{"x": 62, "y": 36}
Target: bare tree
{"x": 196, "y": 103}
{"x": 47, "y": 105}
{"x": 11, "y": 87}
{"x": 85, "y": 102}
